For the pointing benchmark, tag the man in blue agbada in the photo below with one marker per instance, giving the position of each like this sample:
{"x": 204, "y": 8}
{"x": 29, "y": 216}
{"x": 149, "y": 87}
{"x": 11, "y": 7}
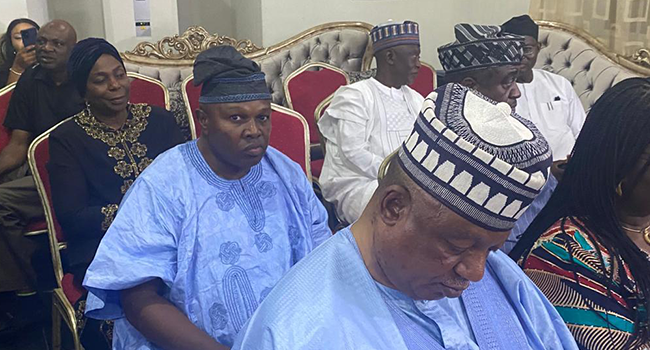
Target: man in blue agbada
{"x": 209, "y": 228}
{"x": 421, "y": 268}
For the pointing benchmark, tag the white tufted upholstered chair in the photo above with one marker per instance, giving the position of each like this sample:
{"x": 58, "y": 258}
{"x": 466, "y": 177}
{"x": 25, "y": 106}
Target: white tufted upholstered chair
{"x": 588, "y": 69}
{"x": 341, "y": 44}
{"x": 344, "y": 49}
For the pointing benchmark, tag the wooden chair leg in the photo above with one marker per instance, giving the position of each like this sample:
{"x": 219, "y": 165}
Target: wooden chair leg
{"x": 56, "y": 325}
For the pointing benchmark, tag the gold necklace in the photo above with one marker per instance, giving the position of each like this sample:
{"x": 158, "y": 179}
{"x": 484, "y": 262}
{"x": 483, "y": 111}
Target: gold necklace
{"x": 645, "y": 231}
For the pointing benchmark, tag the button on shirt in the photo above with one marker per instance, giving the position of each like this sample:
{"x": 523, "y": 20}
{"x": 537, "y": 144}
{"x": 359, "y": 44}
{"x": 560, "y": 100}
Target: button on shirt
{"x": 552, "y": 104}
{"x": 38, "y": 104}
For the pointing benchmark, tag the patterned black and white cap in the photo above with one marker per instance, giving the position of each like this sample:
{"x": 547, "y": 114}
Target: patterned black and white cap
{"x": 480, "y": 46}
{"x": 476, "y": 156}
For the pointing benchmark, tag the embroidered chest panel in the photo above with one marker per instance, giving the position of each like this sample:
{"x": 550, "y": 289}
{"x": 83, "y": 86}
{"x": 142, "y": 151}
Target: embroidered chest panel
{"x": 124, "y": 146}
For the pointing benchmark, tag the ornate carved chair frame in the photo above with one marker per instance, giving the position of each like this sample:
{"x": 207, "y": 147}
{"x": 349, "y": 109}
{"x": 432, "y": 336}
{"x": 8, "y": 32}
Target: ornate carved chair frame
{"x": 61, "y": 307}
{"x": 638, "y": 63}
{"x": 181, "y": 50}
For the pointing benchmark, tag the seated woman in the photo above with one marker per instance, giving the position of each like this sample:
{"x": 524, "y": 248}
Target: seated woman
{"x": 588, "y": 250}
{"x": 15, "y": 56}
{"x": 96, "y": 155}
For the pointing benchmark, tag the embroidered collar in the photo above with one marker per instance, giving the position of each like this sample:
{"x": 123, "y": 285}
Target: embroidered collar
{"x": 136, "y": 122}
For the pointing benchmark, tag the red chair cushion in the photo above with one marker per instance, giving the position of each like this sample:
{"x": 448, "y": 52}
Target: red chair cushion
{"x": 5, "y": 134}
{"x": 72, "y": 291}
{"x": 309, "y": 88}
{"x": 193, "y": 94}
{"x": 143, "y": 91}
{"x": 288, "y": 137}
{"x": 425, "y": 81}
{"x": 317, "y": 167}
{"x": 36, "y": 226}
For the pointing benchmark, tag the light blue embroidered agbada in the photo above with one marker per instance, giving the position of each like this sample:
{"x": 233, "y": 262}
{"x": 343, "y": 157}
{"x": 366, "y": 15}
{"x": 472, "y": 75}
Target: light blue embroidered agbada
{"x": 220, "y": 246}
{"x": 330, "y": 301}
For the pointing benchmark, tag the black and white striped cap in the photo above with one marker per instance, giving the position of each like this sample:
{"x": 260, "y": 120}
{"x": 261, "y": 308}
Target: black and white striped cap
{"x": 480, "y": 46}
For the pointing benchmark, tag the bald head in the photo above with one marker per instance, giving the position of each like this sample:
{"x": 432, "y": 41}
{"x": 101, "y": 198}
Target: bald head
{"x": 54, "y": 44}
{"x": 64, "y": 27}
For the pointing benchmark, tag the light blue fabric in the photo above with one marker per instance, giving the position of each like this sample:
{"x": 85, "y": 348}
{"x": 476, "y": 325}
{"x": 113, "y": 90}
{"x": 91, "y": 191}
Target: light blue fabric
{"x": 220, "y": 246}
{"x": 329, "y": 300}
{"x": 530, "y": 214}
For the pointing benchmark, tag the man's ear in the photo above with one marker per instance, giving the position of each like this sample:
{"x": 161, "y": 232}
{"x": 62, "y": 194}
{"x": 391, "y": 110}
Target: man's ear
{"x": 469, "y": 82}
{"x": 395, "y": 204}
{"x": 389, "y": 56}
{"x": 203, "y": 120}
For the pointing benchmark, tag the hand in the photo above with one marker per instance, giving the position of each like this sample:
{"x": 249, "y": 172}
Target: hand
{"x": 25, "y": 58}
{"x": 558, "y": 167}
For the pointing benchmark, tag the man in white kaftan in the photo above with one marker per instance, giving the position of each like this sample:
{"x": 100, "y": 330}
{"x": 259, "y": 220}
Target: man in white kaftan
{"x": 368, "y": 120}
{"x": 547, "y": 99}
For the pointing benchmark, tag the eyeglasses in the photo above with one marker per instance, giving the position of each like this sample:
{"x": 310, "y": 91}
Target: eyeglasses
{"x": 529, "y": 50}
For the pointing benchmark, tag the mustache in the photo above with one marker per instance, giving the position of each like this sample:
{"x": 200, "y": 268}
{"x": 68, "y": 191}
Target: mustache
{"x": 456, "y": 283}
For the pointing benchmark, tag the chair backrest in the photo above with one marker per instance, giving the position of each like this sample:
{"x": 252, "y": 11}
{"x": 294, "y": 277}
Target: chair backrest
{"x": 425, "y": 81}
{"x": 290, "y": 135}
{"x": 148, "y": 90}
{"x": 308, "y": 86}
{"x": 5, "y": 97}
{"x": 318, "y": 113}
{"x": 191, "y": 96}
{"x": 38, "y": 155}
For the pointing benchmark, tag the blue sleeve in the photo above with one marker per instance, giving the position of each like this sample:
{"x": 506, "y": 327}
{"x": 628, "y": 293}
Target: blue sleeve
{"x": 543, "y": 325}
{"x": 140, "y": 245}
{"x": 320, "y": 230}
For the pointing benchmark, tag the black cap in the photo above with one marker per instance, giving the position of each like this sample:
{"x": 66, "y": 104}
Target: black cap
{"x": 522, "y": 25}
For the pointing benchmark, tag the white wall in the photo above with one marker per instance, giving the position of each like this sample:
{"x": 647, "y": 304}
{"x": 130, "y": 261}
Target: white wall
{"x": 11, "y": 9}
{"x": 38, "y": 10}
{"x": 85, "y": 16}
{"x": 216, "y": 16}
{"x": 119, "y": 22}
{"x": 282, "y": 19}
{"x": 248, "y": 19}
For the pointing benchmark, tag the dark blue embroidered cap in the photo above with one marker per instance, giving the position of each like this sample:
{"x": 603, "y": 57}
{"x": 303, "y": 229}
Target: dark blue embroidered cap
{"x": 227, "y": 76}
{"x": 391, "y": 34}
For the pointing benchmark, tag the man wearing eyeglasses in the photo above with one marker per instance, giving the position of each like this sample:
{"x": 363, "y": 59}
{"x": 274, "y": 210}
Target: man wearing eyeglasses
{"x": 547, "y": 99}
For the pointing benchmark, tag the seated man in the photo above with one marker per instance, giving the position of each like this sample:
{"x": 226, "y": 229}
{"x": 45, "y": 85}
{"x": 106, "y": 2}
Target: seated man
{"x": 96, "y": 156}
{"x": 208, "y": 229}
{"x": 43, "y": 97}
{"x": 551, "y": 103}
{"x": 368, "y": 120}
{"x": 421, "y": 268}
{"x": 547, "y": 99}
{"x": 488, "y": 60}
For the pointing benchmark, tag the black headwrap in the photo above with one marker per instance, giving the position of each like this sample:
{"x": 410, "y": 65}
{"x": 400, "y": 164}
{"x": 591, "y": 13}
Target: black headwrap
{"x": 522, "y": 25}
{"x": 227, "y": 76}
{"x": 83, "y": 58}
